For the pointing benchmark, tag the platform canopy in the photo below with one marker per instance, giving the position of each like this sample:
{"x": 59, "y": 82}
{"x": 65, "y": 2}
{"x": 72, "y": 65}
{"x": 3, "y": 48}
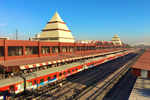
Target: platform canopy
{"x": 55, "y": 30}
{"x": 143, "y": 61}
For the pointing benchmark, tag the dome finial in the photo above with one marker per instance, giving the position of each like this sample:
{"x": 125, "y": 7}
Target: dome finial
{"x": 56, "y": 17}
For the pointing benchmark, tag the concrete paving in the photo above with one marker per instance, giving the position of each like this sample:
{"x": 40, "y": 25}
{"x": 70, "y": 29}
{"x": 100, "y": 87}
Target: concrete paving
{"x": 141, "y": 90}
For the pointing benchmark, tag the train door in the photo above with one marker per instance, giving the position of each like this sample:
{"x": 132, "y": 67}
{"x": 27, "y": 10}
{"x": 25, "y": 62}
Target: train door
{"x": 144, "y": 73}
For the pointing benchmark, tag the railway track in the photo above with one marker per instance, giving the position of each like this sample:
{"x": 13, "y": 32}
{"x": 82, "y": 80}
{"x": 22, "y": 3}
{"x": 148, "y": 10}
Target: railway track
{"x": 92, "y": 93}
{"x": 76, "y": 84}
{"x": 69, "y": 90}
{"x": 126, "y": 84}
{"x": 99, "y": 90}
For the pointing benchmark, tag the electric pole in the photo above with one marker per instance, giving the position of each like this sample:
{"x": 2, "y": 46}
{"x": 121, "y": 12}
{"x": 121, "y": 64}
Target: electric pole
{"x": 16, "y": 34}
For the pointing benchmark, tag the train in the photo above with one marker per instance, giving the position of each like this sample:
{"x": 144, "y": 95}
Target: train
{"x": 18, "y": 84}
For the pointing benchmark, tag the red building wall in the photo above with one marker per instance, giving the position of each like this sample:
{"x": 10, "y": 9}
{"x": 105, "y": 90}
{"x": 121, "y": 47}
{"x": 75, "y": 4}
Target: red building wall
{"x": 25, "y": 43}
{"x": 136, "y": 72}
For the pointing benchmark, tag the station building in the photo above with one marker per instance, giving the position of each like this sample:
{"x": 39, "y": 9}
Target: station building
{"x": 55, "y": 30}
{"x": 4, "y": 38}
{"x": 116, "y": 40}
{"x": 142, "y": 66}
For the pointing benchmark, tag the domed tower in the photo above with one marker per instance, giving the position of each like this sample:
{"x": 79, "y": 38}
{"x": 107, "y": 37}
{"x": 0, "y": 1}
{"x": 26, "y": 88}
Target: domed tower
{"x": 55, "y": 30}
{"x": 116, "y": 40}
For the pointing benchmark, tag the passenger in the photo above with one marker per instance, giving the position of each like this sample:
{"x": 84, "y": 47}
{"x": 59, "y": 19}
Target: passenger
{"x": 12, "y": 74}
{"x": 60, "y": 84}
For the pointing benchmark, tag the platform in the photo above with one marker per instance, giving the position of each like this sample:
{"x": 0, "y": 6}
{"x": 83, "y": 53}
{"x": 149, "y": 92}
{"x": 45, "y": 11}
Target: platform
{"x": 141, "y": 90}
{"x": 45, "y": 72}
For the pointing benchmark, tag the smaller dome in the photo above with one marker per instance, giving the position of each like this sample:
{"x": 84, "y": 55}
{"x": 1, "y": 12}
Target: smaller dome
{"x": 116, "y": 40}
{"x": 116, "y": 36}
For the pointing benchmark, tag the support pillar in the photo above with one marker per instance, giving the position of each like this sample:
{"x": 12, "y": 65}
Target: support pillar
{"x": 50, "y": 48}
{"x": 39, "y": 47}
{"x": 24, "y": 50}
{"x": 60, "y": 50}
{"x": 5, "y": 50}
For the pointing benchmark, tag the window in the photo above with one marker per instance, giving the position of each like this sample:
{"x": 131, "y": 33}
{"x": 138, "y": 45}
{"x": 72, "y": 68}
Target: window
{"x": 78, "y": 48}
{"x": 15, "y": 51}
{"x": 30, "y": 50}
{"x": 48, "y": 78}
{"x": 72, "y": 70}
{"x": 64, "y": 49}
{"x": 54, "y": 76}
{"x": 45, "y": 50}
{"x": 55, "y": 49}
{"x": 64, "y": 73}
{"x": 1, "y": 51}
{"x": 42, "y": 80}
{"x": 52, "y": 38}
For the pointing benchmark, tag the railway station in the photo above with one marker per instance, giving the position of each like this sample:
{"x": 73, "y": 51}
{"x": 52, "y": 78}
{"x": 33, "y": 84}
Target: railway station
{"x": 141, "y": 68}
{"x": 54, "y": 65}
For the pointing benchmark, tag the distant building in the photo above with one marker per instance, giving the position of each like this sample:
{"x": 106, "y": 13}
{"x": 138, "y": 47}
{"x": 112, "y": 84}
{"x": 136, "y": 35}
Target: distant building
{"x": 116, "y": 40}
{"x": 4, "y": 38}
{"x": 86, "y": 41}
{"x": 55, "y": 31}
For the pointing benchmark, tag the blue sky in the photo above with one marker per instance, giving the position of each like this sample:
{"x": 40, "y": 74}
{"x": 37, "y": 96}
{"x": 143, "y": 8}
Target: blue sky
{"x": 87, "y": 19}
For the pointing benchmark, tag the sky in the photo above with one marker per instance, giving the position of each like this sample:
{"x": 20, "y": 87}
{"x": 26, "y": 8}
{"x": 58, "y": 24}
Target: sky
{"x": 87, "y": 19}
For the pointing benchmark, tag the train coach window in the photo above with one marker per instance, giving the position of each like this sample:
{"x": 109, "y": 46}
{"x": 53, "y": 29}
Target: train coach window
{"x": 54, "y": 76}
{"x": 64, "y": 73}
{"x": 48, "y": 78}
{"x": 72, "y": 70}
{"x": 42, "y": 80}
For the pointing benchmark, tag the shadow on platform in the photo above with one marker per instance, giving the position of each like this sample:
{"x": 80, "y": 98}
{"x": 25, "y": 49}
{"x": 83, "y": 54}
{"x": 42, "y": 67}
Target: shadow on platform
{"x": 144, "y": 92}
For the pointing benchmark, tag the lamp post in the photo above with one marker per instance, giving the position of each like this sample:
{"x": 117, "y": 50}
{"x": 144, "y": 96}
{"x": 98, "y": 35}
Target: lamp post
{"x": 24, "y": 80}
